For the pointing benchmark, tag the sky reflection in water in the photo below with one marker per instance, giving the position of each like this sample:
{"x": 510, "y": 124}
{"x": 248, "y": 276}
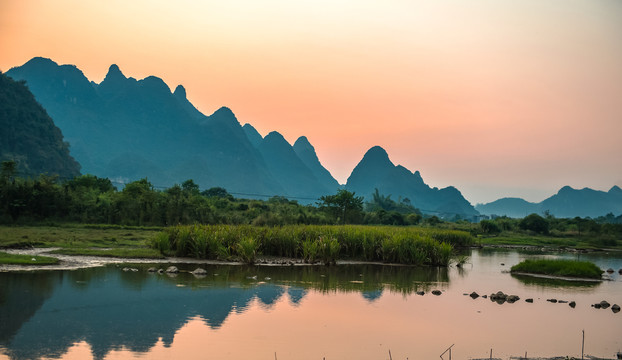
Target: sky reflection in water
{"x": 301, "y": 313}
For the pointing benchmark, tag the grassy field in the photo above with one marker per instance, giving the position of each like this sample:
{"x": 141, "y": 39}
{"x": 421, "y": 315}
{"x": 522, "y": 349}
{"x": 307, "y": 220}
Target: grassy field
{"x": 565, "y": 268}
{"x": 13, "y": 259}
{"x": 100, "y": 240}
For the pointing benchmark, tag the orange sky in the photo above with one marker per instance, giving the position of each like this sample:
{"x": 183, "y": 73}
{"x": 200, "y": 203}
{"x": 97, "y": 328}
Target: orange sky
{"x": 498, "y": 98}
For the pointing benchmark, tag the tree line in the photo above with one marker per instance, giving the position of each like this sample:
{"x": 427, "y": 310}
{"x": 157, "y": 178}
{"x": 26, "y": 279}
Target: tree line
{"x": 90, "y": 199}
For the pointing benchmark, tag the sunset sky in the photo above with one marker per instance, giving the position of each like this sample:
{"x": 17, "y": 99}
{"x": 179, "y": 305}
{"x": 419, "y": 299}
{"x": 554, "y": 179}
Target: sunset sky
{"x": 496, "y": 97}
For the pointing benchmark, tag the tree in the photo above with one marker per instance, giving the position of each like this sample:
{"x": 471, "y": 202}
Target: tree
{"x": 535, "y": 223}
{"x": 344, "y": 206}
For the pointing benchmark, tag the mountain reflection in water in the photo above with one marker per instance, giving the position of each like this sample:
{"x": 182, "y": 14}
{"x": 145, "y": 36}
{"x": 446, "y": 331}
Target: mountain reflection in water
{"x": 46, "y": 313}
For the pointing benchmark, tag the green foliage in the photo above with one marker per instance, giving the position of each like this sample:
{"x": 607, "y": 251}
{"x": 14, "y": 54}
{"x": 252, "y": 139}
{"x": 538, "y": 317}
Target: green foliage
{"x": 489, "y": 227}
{"x": 247, "y": 248}
{"x": 29, "y": 140}
{"x": 345, "y": 207}
{"x": 566, "y": 268}
{"x": 535, "y": 223}
{"x": 309, "y": 250}
{"x": 407, "y": 245}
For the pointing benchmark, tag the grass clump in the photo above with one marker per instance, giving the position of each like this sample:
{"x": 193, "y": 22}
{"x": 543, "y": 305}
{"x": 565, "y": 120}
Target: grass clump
{"x": 565, "y": 268}
{"x": 15, "y": 259}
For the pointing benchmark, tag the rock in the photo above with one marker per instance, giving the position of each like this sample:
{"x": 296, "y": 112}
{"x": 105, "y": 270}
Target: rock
{"x": 152, "y": 269}
{"x": 562, "y": 301}
{"x": 499, "y": 297}
{"x": 604, "y": 304}
{"x": 572, "y": 304}
{"x": 610, "y": 271}
{"x": 530, "y": 300}
{"x": 502, "y": 264}
{"x": 512, "y": 298}
{"x": 160, "y": 271}
{"x": 199, "y": 271}
{"x": 620, "y": 271}
{"x": 172, "y": 270}
{"x": 134, "y": 269}
{"x": 615, "y": 308}
{"x": 474, "y": 295}
{"x": 485, "y": 296}
{"x": 436, "y": 292}
{"x": 420, "y": 293}
{"x": 126, "y": 269}
{"x": 552, "y": 300}
{"x": 596, "y": 306}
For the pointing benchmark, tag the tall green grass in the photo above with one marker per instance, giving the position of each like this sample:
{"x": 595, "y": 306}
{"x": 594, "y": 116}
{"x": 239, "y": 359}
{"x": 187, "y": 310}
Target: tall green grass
{"x": 313, "y": 243}
{"x": 568, "y": 268}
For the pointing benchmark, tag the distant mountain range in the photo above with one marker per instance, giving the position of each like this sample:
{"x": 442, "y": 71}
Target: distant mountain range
{"x": 127, "y": 129}
{"x": 567, "y": 203}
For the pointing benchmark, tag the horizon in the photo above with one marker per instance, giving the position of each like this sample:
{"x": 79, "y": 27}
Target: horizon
{"x": 505, "y": 99}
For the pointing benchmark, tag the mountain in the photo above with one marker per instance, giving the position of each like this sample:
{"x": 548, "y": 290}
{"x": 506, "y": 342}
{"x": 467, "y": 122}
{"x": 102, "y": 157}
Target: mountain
{"x": 29, "y": 136}
{"x": 253, "y": 135}
{"x": 126, "y": 129}
{"x": 567, "y": 203}
{"x": 296, "y": 178}
{"x": 376, "y": 170}
{"x": 512, "y": 207}
{"x": 306, "y": 153}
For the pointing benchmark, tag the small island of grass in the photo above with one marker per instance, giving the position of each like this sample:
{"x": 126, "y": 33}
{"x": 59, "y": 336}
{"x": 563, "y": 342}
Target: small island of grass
{"x": 560, "y": 268}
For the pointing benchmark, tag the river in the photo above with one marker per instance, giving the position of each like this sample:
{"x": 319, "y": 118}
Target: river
{"x": 349, "y": 311}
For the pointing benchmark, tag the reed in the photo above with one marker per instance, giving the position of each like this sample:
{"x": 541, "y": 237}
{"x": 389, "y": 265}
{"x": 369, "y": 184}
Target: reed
{"x": 312, "y": 243}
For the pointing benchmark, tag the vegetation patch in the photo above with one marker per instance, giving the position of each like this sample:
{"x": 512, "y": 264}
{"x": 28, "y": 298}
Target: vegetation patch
{"x": 15, "y": 259}
{"x": 562, "y": 268}
{"x": 312, "y": 243}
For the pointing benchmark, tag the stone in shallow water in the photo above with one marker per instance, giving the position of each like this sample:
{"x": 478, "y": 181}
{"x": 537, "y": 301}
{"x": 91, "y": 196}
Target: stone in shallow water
{"x": 172, "y": 270}
{"x": 436, "y": 292}
{"x": 199, "y": 271}
{"x": 604, "y": 304}
{"x": 474, "y": 295}
{"x": 572, "y": 304}
{"x": 530, "y": 300}
{"x": 615, "y": 308}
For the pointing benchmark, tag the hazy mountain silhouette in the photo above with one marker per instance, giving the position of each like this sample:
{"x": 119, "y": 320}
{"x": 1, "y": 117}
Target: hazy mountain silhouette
{"x": 376, "y": 170}
{"x": 512, "y": 207}
{"x": 306, "y": 153}
{"x": 567, "y": 203}
{"x": 126, "y": 129}
{"x": 295, "y": 177}
{"x": 29, "y": 136}
{"x": 253, "y": 135}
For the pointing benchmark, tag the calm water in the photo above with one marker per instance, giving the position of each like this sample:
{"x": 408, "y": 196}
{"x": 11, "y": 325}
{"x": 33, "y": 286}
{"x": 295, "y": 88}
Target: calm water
{"x": 344, "y": 312}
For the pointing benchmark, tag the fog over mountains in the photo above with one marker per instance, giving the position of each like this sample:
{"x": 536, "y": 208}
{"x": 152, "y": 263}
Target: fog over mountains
{"x": 127, "y": 129}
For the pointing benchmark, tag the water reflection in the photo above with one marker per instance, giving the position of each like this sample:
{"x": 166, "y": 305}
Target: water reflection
{"x": 555, "y": 283}
{"x": 45, "y": 313}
